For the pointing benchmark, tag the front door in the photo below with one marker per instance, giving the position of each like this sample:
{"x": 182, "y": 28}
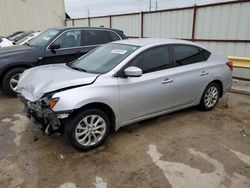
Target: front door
{"x": 70, "y": 48}
{"x": 145, "y": 95}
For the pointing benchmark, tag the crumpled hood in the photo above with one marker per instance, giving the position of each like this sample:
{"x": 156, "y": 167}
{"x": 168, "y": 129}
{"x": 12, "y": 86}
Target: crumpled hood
{"x": 37, "y": 81}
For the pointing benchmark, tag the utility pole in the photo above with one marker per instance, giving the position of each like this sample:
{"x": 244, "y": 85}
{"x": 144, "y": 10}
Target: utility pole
{"x": 156, "y": 6}
{"x": 149, "y": 5}
{"x": 87, "y": 12}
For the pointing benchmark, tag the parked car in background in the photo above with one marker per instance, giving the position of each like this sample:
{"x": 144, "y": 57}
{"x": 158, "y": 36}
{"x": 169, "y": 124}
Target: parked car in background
{"x": 21, "y": 40}
{"x": 4, "y": 42}
{"x": 17, "y": 33}
{"x": 12, "y": 39}
{"x": 27, "y": 38}
{"x": 122, "y": 83}
{"x": 19, "y": 36}
{"x": 59, "y": 45}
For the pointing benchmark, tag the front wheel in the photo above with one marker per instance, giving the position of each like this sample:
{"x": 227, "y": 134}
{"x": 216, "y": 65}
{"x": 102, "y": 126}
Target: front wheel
{"x": 88, "y": 129}
{"x": 10, "y": 81}
{"x": 210, "y": 97}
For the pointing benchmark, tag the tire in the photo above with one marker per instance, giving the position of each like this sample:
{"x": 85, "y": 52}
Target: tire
{"x": 210, "y": 97}
{"x": 6, "y": 83}
{"x": 85, "y": 140}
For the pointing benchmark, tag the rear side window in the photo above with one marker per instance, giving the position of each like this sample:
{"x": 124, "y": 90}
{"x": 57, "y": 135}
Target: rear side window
{"x": 187, "y": 54}
{"x": 153, "y": 59}
{"x": 94, "y": 37}
{"x": 112, "y": 36}
{"x": 205, "y": 54}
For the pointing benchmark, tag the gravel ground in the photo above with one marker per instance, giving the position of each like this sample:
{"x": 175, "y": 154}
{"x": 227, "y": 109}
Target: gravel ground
{"x": 188, "y": 148}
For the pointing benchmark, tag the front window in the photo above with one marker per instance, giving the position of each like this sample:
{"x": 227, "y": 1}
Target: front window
{"x": 103, "y": 58}
{"x": 43, "y": 38}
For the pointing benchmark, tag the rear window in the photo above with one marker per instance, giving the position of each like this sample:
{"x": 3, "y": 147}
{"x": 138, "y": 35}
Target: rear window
{"x": 205, "y": 54}
{"x": 188, "y": 54}
{"x": 112, "y": 36}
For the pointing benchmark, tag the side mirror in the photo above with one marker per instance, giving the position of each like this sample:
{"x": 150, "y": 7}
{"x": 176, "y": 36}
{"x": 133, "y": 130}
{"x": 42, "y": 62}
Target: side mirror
{"x": 54, "y": 46}
{"x": 133, "y": 71}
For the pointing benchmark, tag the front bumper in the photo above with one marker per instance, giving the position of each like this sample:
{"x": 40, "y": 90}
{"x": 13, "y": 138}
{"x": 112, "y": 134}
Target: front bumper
{"x": 47, "y": 120}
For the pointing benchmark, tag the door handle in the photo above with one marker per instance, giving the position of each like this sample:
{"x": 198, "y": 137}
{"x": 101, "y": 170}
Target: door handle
{"x": 203, "y": 73}
{"x": 167, "y": 81}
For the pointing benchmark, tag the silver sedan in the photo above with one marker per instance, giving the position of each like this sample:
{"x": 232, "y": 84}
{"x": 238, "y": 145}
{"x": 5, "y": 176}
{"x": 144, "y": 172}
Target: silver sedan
{"x": 121, "y": 83}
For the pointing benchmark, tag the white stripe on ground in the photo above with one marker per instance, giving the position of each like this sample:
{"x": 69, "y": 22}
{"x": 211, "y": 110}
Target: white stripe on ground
{"x": 68, "y": 185}
{"x": 18, "y": 127}
{"x": 100, "y": 183}
{"x": 6, "y": 120}
{"x": 241, "y": 156}
{"x": 181, "y": 175}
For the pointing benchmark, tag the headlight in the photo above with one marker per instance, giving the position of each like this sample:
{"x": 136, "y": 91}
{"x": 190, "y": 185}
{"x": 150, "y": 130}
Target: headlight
{"x": 53, "y": 102}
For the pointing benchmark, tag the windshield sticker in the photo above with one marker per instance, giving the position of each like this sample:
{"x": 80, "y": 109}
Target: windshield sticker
{"x": 53, "y": 32}
{"x": 46, "y": 38}
{"x": 118, "y": 51}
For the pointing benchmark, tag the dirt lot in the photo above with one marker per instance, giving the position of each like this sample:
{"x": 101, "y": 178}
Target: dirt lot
{"x": 189, "y": 148}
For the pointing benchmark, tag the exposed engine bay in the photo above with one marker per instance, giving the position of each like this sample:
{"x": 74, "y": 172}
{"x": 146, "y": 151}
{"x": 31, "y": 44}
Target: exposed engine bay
{"x": 41, "y": 113}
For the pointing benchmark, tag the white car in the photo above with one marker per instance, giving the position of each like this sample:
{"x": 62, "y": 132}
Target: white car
{"x": 27, "y": 38}
{"x": 4, "y": 42}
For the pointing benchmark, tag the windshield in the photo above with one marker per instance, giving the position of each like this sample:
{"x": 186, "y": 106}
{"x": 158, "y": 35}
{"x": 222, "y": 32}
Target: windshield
{"x": 103, "y": 58}
{"x": 43, "y": 38}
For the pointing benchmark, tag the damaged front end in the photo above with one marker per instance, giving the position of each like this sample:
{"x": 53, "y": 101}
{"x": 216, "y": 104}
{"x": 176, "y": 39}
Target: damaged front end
{"x": 41, "y": 113}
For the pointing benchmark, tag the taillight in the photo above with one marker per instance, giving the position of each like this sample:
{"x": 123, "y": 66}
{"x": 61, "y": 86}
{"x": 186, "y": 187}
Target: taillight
{"x": 230, "y": 65}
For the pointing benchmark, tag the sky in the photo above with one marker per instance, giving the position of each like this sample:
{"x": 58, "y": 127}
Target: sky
{"x": 80, "y": 8}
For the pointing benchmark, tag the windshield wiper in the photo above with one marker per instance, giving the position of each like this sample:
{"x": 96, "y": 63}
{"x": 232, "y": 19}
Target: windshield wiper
{"x": 26, "y": 43}
{"x": 79, "y": 69}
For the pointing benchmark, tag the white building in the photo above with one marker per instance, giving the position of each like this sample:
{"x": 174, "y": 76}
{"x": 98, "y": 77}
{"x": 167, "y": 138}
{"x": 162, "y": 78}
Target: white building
{"x": 27, "y": 15}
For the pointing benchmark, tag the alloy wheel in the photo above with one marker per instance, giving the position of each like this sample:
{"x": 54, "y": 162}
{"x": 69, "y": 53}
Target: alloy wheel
{"x": 90, "y": 130}
{"x": 14, "y": 80}
{"x": 211, "y": 97}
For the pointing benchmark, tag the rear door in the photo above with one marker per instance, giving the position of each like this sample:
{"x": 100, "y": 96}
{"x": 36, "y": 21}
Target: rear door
{"x": 190, "y": 74}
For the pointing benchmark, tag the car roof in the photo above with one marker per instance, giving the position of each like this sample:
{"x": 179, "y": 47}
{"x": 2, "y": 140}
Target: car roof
{"x": 68, "y": 28}
{"x": 157, "y": 41}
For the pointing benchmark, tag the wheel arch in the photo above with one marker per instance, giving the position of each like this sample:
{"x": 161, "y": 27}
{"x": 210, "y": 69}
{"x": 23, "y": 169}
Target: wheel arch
{"x": 7, "y": 69}
{"x": 220, "y": 84}
{"x": 105, "y": 108}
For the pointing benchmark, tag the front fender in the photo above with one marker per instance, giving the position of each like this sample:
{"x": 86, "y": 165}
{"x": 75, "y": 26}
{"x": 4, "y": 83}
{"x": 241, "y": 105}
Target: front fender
{"x": 78, "y": 97}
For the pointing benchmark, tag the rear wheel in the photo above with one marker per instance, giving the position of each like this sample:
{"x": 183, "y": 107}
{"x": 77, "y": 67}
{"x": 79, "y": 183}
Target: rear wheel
{"x": 210, "y": 97}
{"x": 88, "y": 129}
{"x": 10, "y": 81}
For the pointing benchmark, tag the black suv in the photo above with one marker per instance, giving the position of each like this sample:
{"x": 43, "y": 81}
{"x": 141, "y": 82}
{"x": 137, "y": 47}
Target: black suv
{"x": 58, "y": 45}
